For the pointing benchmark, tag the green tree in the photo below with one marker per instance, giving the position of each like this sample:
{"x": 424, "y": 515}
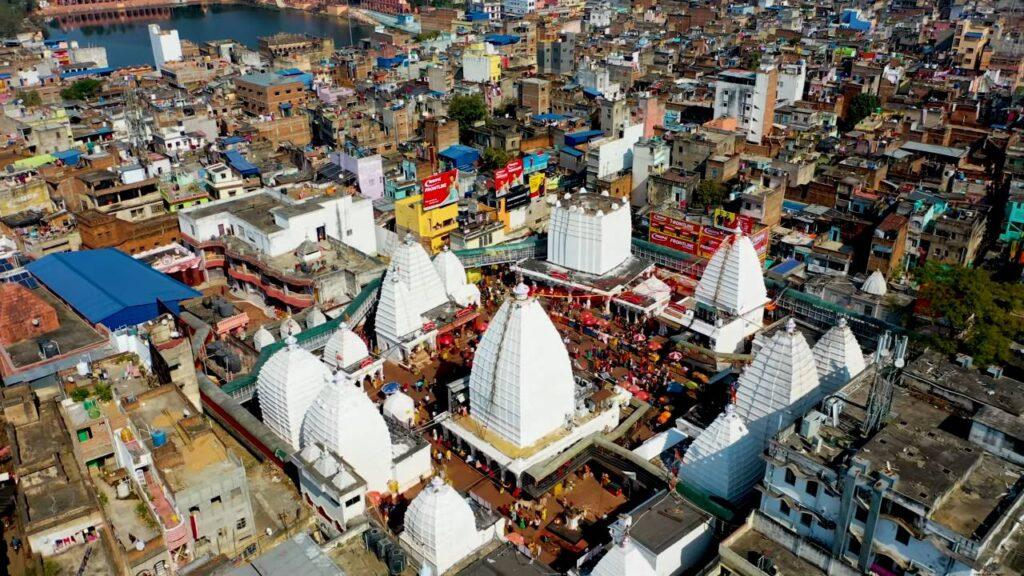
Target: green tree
{"x": 971, "y": 312}
{"x": 29, "y": 97}
{"x": 82, "y": 89}
{"x": 862, "y": 106}
{"x": 12, "y": 17}
{"x": 495, "y": 158}
{"x": 467, "y": 109}
{"x": 709, "y": 193}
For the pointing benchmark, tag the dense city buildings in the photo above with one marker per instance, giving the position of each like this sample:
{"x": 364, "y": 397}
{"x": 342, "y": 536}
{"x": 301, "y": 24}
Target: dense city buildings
{"x": 512, "y": 287}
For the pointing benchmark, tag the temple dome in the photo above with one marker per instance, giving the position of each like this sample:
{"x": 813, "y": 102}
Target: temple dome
{"x": 262, "y": 338}
{"x": 719, "y": 462}
{"x": 346, "y": 421}
{"x": 521, "y": 384}
{"x": 875, "y": 284}
{"x": 453, "y": 277}
{"x": 411, "y": 264}
{"x": 344, "y": 348}
{"x": 838, "y": 357}
{"x": 733, "y": 280}
{"x": 779, "y": 385}
{"x": 315, "y": 317}
{"x": 289, "y": 327}
{"x": 398, "y": 311}
{"x": 441, "y": 525}
{"x": 401, "y": 407}
{"x": 287, "y": 385}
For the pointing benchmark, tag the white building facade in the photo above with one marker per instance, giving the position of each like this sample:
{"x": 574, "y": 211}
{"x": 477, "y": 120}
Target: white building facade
{"x": 165, "y": 44}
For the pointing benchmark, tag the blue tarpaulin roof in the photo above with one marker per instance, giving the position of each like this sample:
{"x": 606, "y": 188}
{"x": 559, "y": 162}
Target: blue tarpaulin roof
{"x": 393, "y": 62}
{"x": 501, "y": 39}
{"x": 69, "y": 157}
{"x": 462, "y": 156}
{"x": 109, "y": 287}
{"x": 231, "y": 140}
{"x": 238, "y": 162}
{"x": 477, "y": 16}
{"x": 549, "y": 117}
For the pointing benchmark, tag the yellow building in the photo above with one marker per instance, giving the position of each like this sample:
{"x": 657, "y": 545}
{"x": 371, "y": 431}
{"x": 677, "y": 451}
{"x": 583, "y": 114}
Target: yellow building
{"x": 481, "y": 64}
{"x": 431, "y": 227}
{"x": 22, "y": 192}
{"x": 970, "y": 40}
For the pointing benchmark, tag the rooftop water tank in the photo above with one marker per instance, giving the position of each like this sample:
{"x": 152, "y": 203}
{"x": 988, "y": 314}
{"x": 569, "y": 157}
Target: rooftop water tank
{"x": 159, "y": 438}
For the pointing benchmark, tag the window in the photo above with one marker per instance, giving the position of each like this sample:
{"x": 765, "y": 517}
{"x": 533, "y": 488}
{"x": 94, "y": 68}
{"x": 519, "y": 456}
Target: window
{"x": 811, "y": 488}
{"x": 902, "y": 536}
{"x": 806, "y": 519}
{"x": 351, "y": 501}
{"x": 241, "y": 524}
{"x": 790, "y": 477}
{"x": 783, "y": 508}
{"x": 854, "y": 546}
{"x": 215, "y": 500}
{"x": 85, "y": 434}
{"x": 861, "y": 514}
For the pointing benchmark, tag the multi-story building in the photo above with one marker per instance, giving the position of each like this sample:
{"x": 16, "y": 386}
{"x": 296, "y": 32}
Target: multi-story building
{"x": 518, "y": 8}
{"x": 888, "y": 245}
{"x": 557, "y": 56}
{"x": 535, "y": 94}
{"x": 650, "y": 157}
{"x": 750, "y": 98}
{"x": 289, "y": 253}
{"x": 431, "y": 226}
{"x": 22, "y": 192}
{"x": 264, "y": 93}
{"x": 193, "y": 485}
{"x": 222, "y": 182}
{"x": 853, "y": 493}
{"x": 970, "y": 40}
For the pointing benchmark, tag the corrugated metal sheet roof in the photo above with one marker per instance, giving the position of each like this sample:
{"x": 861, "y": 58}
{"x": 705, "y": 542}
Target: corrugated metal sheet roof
{"x": 101, "y": 284}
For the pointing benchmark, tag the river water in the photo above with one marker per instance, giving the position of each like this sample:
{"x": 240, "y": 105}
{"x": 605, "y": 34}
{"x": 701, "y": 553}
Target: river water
{"x": 127, "y": 43}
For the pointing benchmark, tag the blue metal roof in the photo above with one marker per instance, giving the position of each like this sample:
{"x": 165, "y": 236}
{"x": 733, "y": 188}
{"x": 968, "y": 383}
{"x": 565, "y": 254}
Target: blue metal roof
{"x": 109, "y": 287}
{"x": 462, "y": 156}
{"x": 577, "y": 138}
{"x": 571, "y": 151}
{"x": 89, "y": 72}
{"x": 786, "y": 266}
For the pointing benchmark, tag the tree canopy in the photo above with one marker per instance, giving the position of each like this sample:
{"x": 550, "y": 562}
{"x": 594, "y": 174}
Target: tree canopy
{"x": 82, "y": 89}
{"x": 12, "y": 16}
{"x": 467, "y": 109}
{"x": 973, "y": 313}
{"x": 861, "y": 106}
{"x": 29, "y": 97}
{"x": 495, "y": 158}
{"x": 709, "y": 193}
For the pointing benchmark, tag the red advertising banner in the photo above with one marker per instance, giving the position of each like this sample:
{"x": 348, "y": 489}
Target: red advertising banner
{"x": 437, "y": 189}
{"x": 515, "y": 170}
{"x": 673, "y": 242}
{"x": 501, "y": 178}
{"x": 674, "y": 225}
